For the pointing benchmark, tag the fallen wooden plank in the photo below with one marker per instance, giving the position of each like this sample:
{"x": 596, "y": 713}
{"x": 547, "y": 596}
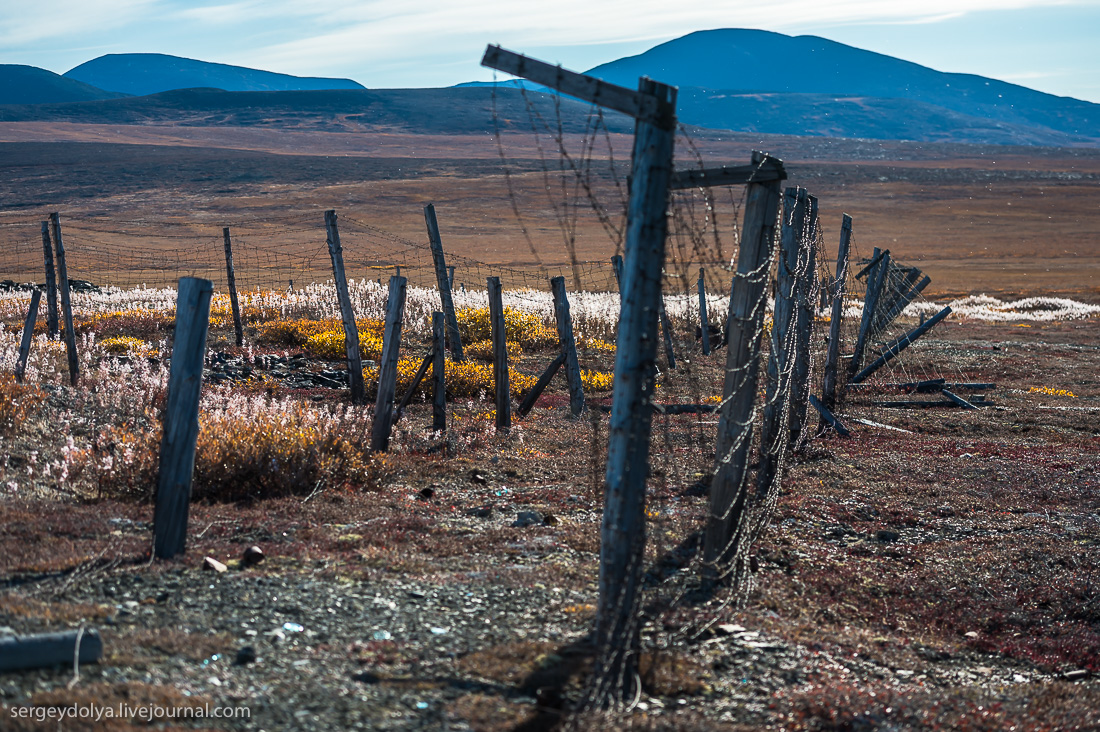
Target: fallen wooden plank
{"x": 930, "y": 386}
{"x": 929, "y": 404}
{"x": 895, "y": 348}
{"x": 829, "y": 417}
{"x": 536, "y": 391}
{"x": 958, "y": 400}
{"x": 21, "y": 652}
{"x": 869, "y": 423}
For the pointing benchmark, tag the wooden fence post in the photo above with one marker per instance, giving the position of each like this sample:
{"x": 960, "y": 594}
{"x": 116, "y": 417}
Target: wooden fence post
{"x": 532, "y": 396}
{"x": 454, "y": 340}
{"x": 387, "y": 367}
{"x": 66, "y": 300}
{"x": 804, "y": 324}
{"x": 500, "y": 356}
{"x": 568, "y": 346}
{"x": 439, "y": 371}
{"x": 617, "y": 267}
{"x": 51, "y": 283}
{"x": 704, "y": 326}
{"x": 622, "y": 543}
{"x": 832, "y": 355}
{"x": 347, "y": 315}
{"x": 28, "y": 333}
{"x": 728, "y": 493}
{"x": 181, "y": 417}
{"x": 231, "y": 276}
{"x": 666, "y": 331}
{"x": 777, "y": 398}
{"x": 876, "y": 276}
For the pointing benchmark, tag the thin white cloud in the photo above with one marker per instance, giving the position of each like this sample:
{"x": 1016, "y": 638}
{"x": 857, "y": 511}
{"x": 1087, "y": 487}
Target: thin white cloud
{"x": 22, "y": 25}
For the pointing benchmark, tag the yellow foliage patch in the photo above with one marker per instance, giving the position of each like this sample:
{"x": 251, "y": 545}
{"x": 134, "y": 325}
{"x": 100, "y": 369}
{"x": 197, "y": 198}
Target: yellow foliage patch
{"x": 520, "y": 327}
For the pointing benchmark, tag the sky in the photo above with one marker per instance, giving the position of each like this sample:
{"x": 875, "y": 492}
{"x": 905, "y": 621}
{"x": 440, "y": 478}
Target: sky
{"x": 1052, "y": 46}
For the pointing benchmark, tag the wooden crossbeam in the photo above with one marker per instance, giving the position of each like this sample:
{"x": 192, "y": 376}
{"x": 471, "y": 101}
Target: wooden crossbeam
{"x": 647, "y": 107}
{"x": 729, "y": 175}
{"x": 872, "y": 263}
{"x": 829, "y": 417}
{"x": 928, "y": 387}
{"x": 891, "y": 351}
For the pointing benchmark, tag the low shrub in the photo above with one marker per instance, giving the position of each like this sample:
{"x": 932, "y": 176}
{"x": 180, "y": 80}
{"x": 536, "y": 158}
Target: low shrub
{"x": 483, "y": 350}
{"x": 463, "y": 378}
{"x": 17, "y": 402}
{"x": 126, "y": 345}
{"x": 520, "y": 327}
{"x": 597, "y": 380}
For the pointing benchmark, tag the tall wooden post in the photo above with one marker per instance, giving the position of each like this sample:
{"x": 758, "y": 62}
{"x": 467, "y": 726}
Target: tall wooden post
{"x": 231, "y": 276}
{"x": 568, "y": 346}
{"x": 28, "y": 333}
{"x": 804, "y": 324}
{"x": 66, "y": 300}
{"x": 728, "y": 493}
{"x": 666, "y": 332}
{"x": 704, "y": 326}
{"x": 622, "y": 544}
{"x": 51, "y": 283}
{"x": 832, "y": 355}
{"x": 181, "y": 417}
{"x": 783, "y": 337}
{"x": 617, "y": 267}
{"x": 387, "y": 367}
{"x": 439, "y": 373}
{"x": 454, "y": 341}
{"x": 347, "y": 315}
{"x": 500, "y": 356}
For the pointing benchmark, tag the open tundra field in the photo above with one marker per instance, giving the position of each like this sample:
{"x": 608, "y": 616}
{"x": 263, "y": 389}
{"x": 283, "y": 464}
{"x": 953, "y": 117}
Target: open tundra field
{"x": 938, "y": 569}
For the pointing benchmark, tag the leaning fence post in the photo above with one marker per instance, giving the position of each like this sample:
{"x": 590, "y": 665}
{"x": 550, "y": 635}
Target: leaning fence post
{"x": 568, "y": 346}
{"x": 231, "y": 276}
{"x": 500, "y": 356}
{"x": 704, "y": 326}
{"x": 725, "y": 530}
{"x": 51, "y": 283}
{"x": 66, "y": 301}
{"x": 454, "y": 340}
{"x": 876, "y": 276}
{"x": 804, "y": 322}
{"x": 894, "y": 349}
{"x": 181, "y": 417}
{"x": 622, "y": 542}
{"x": 439, "y": 366}
{"x": 347, "y": 315}
{"x": 387, "y": 367}
{"x": 832, "y": 355}
{"x": 28, "y": 333}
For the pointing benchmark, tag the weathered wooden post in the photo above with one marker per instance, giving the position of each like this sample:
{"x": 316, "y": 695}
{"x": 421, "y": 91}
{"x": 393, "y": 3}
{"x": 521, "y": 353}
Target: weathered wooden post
{"x": 231, "y": 276}
{"x": 387, "y": 366}
{"x": 451, "y": 277}
{"x": 181, "y": 417}
{"x": 500, "y": 356}
{"x": 617, "y": 268}
{"x": 783, "y": 338}
{"x": 876, "y": 276}
{"x": 666, "y": 331}
{"x": 43, "y": 650}
{"x": 454, "y": 340}
{"x": 704, "y": 326}
{"x": 543, "y": 381}
{"x": 28, "y": 334}
{"x": 725, "y": 531}
{"x": 66, "y": 301}
{"x": 568, "y": 346}
{"x": 347, "y": 315}
{"x": 439, "y": 388}
{"x": 804, "y": 322}
{"x": 832, "y": 355}
{"x": 51, "y": 283}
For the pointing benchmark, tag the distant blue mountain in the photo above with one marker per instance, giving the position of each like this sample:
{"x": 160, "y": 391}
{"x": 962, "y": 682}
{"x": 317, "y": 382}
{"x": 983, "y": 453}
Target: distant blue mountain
{"x": 732, "y": 66}
{"x": 149, "y": 73}
{"x": 31, "y": 85}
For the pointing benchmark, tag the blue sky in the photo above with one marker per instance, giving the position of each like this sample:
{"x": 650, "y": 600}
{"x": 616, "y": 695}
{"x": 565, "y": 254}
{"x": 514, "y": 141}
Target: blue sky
{"x": 1050, "y": 46}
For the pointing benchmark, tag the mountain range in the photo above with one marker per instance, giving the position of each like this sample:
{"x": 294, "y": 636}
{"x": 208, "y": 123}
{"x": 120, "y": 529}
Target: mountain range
{"x": 729, "y": 79}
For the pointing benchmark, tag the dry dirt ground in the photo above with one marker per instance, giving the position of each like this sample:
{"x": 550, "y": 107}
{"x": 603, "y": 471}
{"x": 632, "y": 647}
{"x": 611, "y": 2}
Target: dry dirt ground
{"x": 941, "y": 577}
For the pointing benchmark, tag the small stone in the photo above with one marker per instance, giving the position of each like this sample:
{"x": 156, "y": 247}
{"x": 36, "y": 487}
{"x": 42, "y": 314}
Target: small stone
{"x": 209, "y": 563}
{"x": 887, "y": 536}
{"x": 367, "y": 677}
{"x": 729, "y": 628}
{"x": 478, "y": 478}
{"x": 426, "y": 494}
{"x": 252, "y": 555}
{"x": 245, "y": 656}
{"x": 1076, "y": 674}
{"x": 972, "y": 634}
{"x": 527, "y": 518}
{"x": 480, "y": 512}
{"x": 550, "y": 520}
